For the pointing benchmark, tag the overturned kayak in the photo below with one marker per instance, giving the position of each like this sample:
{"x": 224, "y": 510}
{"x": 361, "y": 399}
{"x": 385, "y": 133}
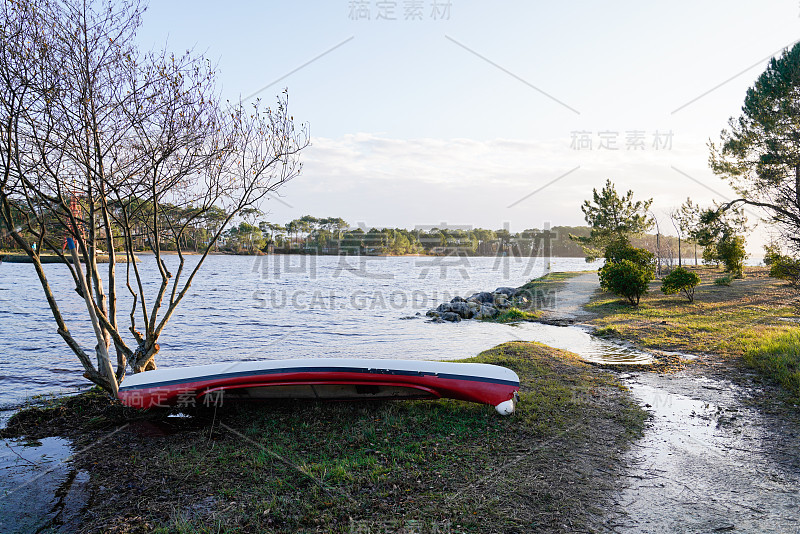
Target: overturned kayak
{"x": 324, "y": 379}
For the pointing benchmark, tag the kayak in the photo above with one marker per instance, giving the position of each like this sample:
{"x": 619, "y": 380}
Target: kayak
{"x": 323, "y": 379}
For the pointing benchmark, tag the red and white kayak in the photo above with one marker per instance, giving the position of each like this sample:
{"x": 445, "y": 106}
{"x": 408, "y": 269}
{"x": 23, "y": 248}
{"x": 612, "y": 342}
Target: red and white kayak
{"x": 325, "y": 379}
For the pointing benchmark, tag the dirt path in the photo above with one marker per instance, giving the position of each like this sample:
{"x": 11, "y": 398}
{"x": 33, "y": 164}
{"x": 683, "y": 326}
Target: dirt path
{"x": 571, "y": 297}
{"x": 709, "y": 461}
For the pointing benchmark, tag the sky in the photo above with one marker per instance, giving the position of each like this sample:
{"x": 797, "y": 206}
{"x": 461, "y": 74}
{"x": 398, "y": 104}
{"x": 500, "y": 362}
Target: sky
{"x": 489, "y": 114}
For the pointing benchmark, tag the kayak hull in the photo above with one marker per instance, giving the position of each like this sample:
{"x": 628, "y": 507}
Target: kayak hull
{"x": 324, "y": 379}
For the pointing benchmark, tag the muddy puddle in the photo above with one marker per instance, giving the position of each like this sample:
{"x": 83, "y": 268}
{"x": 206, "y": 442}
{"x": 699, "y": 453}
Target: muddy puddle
{"x": 579, "y": 339}
{"x": 40, "y": 491}
{"x": 704, "y": 463}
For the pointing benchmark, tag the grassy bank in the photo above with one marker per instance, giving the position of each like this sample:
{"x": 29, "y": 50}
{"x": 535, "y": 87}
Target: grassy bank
{"x": 513, "y": 315}
{"x": 377, "y": 467}
{"x": 549, "y": 282}
{"x": 778, "y": 357}
{"x": 746, "y": 319}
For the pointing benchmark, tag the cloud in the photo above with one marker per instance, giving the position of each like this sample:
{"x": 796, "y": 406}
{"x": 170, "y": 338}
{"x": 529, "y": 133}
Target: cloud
{"x": 453, "y": 162}
{"x": 383, "y": 181}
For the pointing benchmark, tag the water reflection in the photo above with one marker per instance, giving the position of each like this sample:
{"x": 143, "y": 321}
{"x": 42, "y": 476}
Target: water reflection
{"x": 39, "y": 489}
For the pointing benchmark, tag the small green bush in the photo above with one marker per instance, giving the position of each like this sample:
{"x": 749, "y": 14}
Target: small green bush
{"x": 680, "y": 280}
{"x": 608, "y": 331}
{"x": 626, "y": 279}
{"x": 724, "y": 280}
{"x": 784, "y": 268}
{"x": 628, "y": 270}
{"x": 772, "y": 253}
{"x": 730, "y": 250}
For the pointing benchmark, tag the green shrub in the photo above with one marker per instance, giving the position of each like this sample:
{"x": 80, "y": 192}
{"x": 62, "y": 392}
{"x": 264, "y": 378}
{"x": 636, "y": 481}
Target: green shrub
{"x": 608, "y": 331}
{"x": 783, "y": 267}
{"x": 724, "y": 280}
{"x": 622, "y": 250}
{"x": 680, "y": 280}
{"x": 626, "y": 279}
{"x": 730, "y": 250}
{"x": 632, "y": 280}
{"x": 772, "y": 253}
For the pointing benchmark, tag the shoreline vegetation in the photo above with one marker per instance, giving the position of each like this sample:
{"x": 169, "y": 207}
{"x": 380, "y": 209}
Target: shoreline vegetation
{"x": 752, "y": 322}
{"x": 332, "y": 236}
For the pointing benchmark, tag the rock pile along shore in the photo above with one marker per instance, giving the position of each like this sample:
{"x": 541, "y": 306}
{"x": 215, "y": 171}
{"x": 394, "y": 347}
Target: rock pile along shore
{"x": 484, "y": 305}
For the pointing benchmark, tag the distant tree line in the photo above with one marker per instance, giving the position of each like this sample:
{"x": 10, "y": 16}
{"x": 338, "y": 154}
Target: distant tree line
{"x": 333, "y": 235}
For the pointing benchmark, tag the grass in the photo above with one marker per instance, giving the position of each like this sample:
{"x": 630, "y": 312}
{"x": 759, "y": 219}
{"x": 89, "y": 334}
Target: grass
{"x": 513, "y": 315}
{"x": 537, "y": 295}
{"x": 725, "y": 280}
{"x": 549, "y": 281}
{"x": 778, "y": 357}
{"x": 383, "y": 466}
{"x": 724, "y": 320}
{"x": 537, "y": 292}
{"x": 741, "y": 322}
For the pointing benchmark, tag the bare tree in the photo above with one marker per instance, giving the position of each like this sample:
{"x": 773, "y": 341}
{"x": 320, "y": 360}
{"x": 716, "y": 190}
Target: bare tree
{"x": 110, "y": 146}
{"x": 654, "y": 221}
{"x": 675, "y": 217}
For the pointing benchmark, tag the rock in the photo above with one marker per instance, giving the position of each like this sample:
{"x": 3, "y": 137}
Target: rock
{"x": 482, "y": 298}
{"x": 522, "y": 299}
{"x": 462, "y": 309}
{"x": 478, "y": 306}
{"x": 443, "y": 308}
{"x": 525, "y": 295}
{"x": 507, "y": 291}
{"x": 487, "y": 312}
{"x": 502, "y": 302}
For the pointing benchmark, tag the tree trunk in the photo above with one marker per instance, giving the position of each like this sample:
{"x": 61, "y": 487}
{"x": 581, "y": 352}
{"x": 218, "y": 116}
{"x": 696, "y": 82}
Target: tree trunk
{"x": 144, "y": 357}
{"x": 797, "y": 184}
{"x": 658, "y": 252}
{"x": 103, "y": 361}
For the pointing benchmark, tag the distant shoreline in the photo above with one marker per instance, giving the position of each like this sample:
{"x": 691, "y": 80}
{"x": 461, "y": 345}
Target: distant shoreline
{"x": 15, "y": 257}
